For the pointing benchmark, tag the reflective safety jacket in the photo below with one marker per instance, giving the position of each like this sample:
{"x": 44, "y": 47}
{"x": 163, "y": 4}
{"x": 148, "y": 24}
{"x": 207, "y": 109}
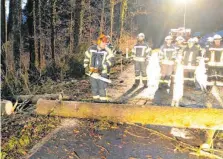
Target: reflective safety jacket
{"x": 180, "y": 49}
{"x": 98, "y": 60}
{"x": 190, "y": 57}
{"x": 168, "y": 54}
{"x": 141, "y": 52}
{"x": 215, "y": 56}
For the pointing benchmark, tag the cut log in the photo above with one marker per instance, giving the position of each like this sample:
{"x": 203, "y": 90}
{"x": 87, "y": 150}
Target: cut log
{"x": 6, "y": 107}
{"x": 34, "y": 98}
{"x": 201, "y": 118}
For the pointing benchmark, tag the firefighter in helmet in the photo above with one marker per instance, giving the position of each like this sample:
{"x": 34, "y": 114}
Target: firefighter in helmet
{"x": 141, "y": 53}
{"x": 98, "y": 59}
{"x": 196, "y": 42}
{"x": 179, "y": 45}
{"x": 168, "y": 55}
{"x": 208, "y": 45}
{"x": 215, "y": 62}
{"x": 191, "y": 55}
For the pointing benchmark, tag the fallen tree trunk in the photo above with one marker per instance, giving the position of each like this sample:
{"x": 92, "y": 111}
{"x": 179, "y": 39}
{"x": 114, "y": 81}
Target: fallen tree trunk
{"x": 6, "y": 107}
{"x": 34, "y": 98}
{"x": 155, "y": 115}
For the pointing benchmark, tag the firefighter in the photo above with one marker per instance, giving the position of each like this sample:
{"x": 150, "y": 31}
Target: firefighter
{"x": 140, "y": 54}
{"x": 215, "y": 62}
{"x": 168, "y": 55}
{"x": 190, "y": 61}
{"x": 98, "y": 59}
{"x": 180, "y": 46}
{"x": 208, "y": 44}
{"x": 196, "y": 42}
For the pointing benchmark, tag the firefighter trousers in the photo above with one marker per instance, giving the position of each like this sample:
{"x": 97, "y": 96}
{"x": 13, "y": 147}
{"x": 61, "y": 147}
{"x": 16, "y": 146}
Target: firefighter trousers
{"x": 140, "y": 70}
{"x": 98, "y": 88}
{"x": 189, "y": 78}
{"x": 166, "y": 72}
{"x": 215, "y": 74}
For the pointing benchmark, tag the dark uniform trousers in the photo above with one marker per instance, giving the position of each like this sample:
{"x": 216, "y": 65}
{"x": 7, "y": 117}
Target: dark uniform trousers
{"x": 98, "y": 87}
{"x": 190, "y": 63}
{"x": 215, "y": 65}
{"x": 140, "y": 70}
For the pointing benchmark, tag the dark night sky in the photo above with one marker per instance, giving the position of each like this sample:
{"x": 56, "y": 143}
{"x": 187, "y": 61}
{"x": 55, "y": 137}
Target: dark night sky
{"x": 203, "y": 16}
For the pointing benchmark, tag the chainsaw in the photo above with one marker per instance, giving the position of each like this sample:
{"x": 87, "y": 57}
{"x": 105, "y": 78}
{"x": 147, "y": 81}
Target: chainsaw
{"x": 97, "y": 76}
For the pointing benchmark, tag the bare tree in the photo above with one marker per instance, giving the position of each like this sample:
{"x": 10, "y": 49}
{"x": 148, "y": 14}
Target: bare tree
{"x": 122, "y": 15}
{"x": 112, "y": 4}
{"x": 30, "y": 22}
{"x": 15, "y": 30}
{"x": 3, "y": 35}
{"x": 52, "y": 27}
{"x": 78, "y": 20}
{"x": 102, "y": 17}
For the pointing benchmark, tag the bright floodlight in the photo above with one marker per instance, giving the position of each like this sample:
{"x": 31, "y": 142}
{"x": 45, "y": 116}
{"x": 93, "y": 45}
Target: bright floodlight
{"x": 184, "y": 1}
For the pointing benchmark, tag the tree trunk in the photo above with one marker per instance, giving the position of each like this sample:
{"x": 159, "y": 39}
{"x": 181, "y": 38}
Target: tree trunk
{"x": 102, "y": 17}
{"x": 52, "y": 28}
{"x": 112, "y": 4}
{"x": 156, "y": 115}
{"x": 30, "y": 23}
{"x": 71, "y": 33}
{"x": 77, "y": 22}
{"x": 3, "y": 36}
{"x": 40, "y": 43}
{"x": 35, "y": 32}
{"x": 122, "y": 18}
{"x": 15, "y": 30}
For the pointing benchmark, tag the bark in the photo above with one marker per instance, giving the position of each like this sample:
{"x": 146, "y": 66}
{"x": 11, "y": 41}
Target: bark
{"x": 14, "y": 26}
{"x": 155, "y": 115}
{"x": 102, "y": 17}
{"x": 112, "y": 4}
{"x": 71, "y": 33}
{"x": 6, "y": 107}
{"x": 3, "y": 35}
{"x": 52, "y": 28}
{"x": 122, "y": 16}
{"x": 40, "y": 42}
{"x": 35, "y": 98}
{"x": 77, "y": 21}
{"x": 30, "y": 23}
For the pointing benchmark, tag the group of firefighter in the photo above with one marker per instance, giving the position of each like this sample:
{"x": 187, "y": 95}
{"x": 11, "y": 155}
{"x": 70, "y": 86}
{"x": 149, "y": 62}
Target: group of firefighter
{"x": 100, "y": 58}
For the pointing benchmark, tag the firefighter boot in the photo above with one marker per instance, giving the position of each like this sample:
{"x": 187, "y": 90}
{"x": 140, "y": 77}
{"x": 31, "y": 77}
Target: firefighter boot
{"x": 145, "y": 83}
{"x": 136, "y": 84}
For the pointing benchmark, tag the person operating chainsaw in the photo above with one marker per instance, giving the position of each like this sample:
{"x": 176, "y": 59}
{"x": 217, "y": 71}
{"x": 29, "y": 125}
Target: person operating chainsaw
{"x": 98, "y": 60}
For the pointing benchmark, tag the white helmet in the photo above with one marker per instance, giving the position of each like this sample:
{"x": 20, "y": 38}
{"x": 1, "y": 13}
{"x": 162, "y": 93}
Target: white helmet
{"x": 196, "y": 40}
{"x": 191, "y": 40}
{"x": 217, "y": 37}
{"x": 180, "y": 38}
{"x": 141, "y": 35}
{"x": 210, "y": 39}
{"x": 168, "y": 37}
